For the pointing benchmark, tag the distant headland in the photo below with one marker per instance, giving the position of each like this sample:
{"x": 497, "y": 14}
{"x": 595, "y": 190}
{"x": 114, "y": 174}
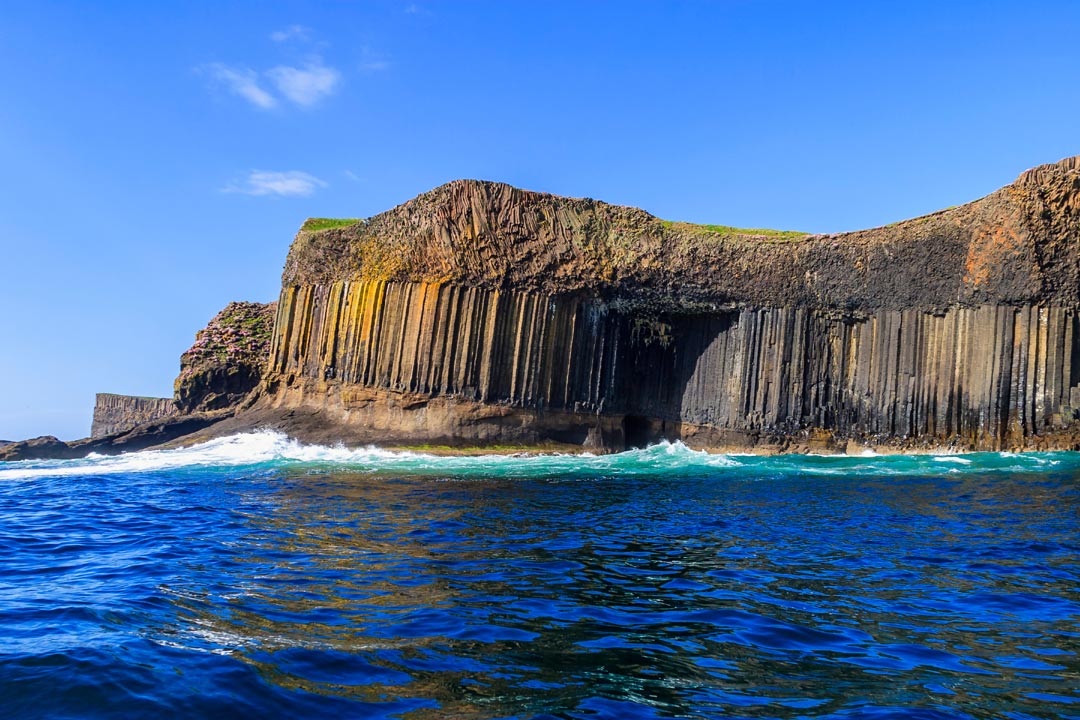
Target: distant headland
{"x": 478, "y": 315}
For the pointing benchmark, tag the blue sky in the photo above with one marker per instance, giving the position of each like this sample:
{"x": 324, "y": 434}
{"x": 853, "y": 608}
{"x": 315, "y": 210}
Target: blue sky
{"x": 156, "y": 159}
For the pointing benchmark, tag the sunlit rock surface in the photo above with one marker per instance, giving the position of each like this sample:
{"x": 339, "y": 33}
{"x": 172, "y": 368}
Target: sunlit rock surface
{"x": 483, "y": 313}
{"x": 114, "y": 413}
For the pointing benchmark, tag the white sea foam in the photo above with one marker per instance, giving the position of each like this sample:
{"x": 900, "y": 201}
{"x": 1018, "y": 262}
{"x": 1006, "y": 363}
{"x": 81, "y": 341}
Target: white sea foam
{"x": 250, "y": 448}
{"x": 255, "y": 448}
{"x": 958, "y": 459}
{"x": 665, "y": 459}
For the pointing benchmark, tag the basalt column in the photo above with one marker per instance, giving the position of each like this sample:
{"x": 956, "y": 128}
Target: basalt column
{"x": 525, "y": 349}
{"x": 986, "y": 376}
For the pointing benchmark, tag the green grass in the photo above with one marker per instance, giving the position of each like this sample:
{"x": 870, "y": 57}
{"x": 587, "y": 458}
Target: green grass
{"x": 317, "y": 224}
{"x": 728, "y": 230}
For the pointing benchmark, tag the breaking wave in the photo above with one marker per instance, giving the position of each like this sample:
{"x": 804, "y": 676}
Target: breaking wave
{"x": 670, "y": 460}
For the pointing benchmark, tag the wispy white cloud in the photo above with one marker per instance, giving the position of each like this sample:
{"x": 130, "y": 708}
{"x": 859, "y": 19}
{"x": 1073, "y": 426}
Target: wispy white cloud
{"x": 372, "y": 60}
{"x": 293, "y": 32}
{"x": 302, "y": 83}
{"x": 285, "y": 184}
{"x": 305, "y": 85}
{"x": 241, "y": 81}
{"x": 412, "y": 8}
{"x": 375, "y": 65}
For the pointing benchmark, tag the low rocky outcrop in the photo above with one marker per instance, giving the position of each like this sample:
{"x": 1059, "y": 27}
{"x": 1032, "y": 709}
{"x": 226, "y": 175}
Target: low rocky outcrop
{"x": 227, "y": 360}
{"x": 153, "y": 434}
{"x": 45, "y": 446}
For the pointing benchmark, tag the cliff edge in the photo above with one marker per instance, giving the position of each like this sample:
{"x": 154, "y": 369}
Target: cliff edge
{"x": 1016, "y": 245}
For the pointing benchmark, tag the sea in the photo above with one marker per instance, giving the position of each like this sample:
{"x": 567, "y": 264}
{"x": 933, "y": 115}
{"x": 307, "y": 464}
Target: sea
{"x": 256, "y": 577}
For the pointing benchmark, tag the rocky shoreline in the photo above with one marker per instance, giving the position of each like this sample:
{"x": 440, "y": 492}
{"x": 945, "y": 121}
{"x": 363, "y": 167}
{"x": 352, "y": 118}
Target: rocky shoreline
{"x": 313, "y": 427}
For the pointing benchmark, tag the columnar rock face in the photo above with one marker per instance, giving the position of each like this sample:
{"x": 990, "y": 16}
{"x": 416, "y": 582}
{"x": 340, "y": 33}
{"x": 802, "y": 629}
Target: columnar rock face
{"x": 987, "y": 376}
{"x": 119, "y": 413}
{"x": 576, "y": 318}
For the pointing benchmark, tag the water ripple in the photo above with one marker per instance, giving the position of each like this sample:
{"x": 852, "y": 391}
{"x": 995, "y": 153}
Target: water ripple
{"x": 257, "y": 577}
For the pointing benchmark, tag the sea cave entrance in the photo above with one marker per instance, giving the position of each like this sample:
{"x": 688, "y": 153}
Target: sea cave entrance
{"x": 637, "y": 431}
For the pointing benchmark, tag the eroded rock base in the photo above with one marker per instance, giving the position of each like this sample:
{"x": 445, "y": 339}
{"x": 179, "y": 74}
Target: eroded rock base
{"x": 991, "y": 377}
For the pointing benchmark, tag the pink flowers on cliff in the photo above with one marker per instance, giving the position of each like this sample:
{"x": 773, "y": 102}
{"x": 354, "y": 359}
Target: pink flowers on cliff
{"x": 239, "y": 333}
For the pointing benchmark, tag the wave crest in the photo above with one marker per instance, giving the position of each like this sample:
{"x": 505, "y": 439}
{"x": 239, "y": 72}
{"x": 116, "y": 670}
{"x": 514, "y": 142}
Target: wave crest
{"x": 666, "y": 459}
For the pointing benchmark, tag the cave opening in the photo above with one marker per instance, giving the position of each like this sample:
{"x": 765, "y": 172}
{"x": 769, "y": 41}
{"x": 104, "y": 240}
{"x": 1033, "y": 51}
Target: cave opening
{"x": 637, "y": 431}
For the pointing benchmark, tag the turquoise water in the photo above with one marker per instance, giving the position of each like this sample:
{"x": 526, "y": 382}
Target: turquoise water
{"x": 256, "y": 577}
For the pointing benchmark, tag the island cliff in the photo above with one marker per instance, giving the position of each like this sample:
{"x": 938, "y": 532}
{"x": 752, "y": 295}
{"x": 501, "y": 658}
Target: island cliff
{"x": 115, "y": 413}
{"x": 479, "y": 313}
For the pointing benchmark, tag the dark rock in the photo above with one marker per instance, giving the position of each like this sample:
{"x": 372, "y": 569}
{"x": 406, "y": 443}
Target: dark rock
{"x": 44, "y": 447}
{"x": 482, "y": 314}
{"x": 147, "y": 435}
{"x": 227, "y": 360}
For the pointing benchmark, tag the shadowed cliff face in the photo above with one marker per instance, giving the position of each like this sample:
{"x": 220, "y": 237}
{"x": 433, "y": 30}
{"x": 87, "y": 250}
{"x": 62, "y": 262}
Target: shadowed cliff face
{"x": 537, "y": 317}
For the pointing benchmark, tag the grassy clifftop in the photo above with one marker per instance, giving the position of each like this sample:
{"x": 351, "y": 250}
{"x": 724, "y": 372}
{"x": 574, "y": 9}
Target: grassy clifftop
{"x": 1016, "y": 245}
{"x": 317, "y": 224}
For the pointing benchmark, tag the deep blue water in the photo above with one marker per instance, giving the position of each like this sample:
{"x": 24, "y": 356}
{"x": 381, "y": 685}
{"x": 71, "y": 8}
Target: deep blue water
{"x": 253, "y": 577}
